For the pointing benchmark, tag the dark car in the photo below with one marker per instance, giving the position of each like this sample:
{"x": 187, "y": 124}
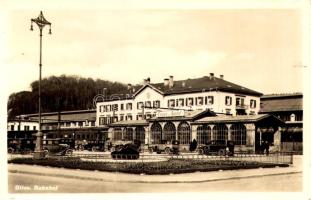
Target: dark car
{"x": 58, "y": 146}
{"x": 21, "y": 145}
{"x": 165, "y": 146}
{"x": 218, "y": 147}
{"x": 95, "y": 145}
{"x": 127, "y": 151}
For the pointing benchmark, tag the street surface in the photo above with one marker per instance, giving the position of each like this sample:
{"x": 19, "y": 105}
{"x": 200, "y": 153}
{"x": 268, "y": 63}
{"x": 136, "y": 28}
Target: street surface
{"x": 275, "y": 183}
{"x": 36, "y": 179}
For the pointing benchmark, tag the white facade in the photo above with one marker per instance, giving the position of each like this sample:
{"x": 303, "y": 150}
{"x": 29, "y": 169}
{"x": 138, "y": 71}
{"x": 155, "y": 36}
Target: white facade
{"x": 22, "y": 126}
{"x": 217, "y": 101}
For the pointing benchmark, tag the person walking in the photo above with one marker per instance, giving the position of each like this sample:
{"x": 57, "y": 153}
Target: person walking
{"x": 267, "y": 147}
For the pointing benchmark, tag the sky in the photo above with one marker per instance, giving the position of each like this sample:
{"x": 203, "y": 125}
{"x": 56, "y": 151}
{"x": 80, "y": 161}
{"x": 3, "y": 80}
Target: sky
{"x": 260, "y": 49}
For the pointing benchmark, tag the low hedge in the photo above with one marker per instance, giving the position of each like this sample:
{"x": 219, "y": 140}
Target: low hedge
{"x": 172, "y": 166}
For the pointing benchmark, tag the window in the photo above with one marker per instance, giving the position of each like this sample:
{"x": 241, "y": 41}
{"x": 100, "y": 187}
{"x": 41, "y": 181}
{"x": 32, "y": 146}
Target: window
{"x": 128, "y": 135}
{"x": 169, "y": 131}
{"x": 26, "y": 128}
{"x": 238, "y": 132}
{"x": 140, "y": 134}
{"x": 92, "y": 123}
{"x": 239, "y": 101}
{"x": 199, "y": 101}
{"x": 102, "y": 120}
{"x": 148, "y": 104}
{"x": 34, "y": 128}
{"x": 210, "y": 100}
{"x": 129, "y": 106}
{"x": 228, "y": 101}
{"x": 115, "y": 107}
{"x": 101, "y": 108}
{"x": 181, "y": 102}
{"x": 190, "y": 101}
{"x": 203, "y": 134}
{"x": 171, "y": 103}
{"x": 140, "y": 105}
{"x": 156, "y": 104}
{"x": 156, "y": 133}
{"x": 117, "y": 134}
{"x": 121, "y": 106}
{"x": 129, "y": 117}
{"x": 184, "y": 133}
{"x": 80, "y": 124}
{"x": 12, "y": 127}
{"x": 253, "y": 103}
{"x": 121, "y": 117}
{"x": 220, "y": 132}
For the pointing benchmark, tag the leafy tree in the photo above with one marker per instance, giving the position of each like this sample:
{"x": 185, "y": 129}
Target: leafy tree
{"x": 61, "y": 93}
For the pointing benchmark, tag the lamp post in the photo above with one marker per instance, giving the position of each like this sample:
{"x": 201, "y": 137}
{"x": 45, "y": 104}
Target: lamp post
{"x": 41, "y": 22}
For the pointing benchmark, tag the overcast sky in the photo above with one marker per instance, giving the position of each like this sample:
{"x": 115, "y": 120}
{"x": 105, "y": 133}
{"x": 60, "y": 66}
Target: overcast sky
{"x": 259, "y": 49}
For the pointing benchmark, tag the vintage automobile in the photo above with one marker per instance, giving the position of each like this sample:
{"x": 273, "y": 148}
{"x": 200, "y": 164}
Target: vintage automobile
{"x": 127, "y": 151}
{"x": 217, "y": 147}
{"x": 94, "y": 145}
{"x": 58, "y": 146}
{"x": 165, "y": 146}
{"x": 21, "y": 145}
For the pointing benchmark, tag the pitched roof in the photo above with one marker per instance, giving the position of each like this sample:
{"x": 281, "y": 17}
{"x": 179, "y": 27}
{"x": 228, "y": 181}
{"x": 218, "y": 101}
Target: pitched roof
{"x": 279, "y": 103}
{"x": 229, "y": 118}
{"x": 188, "y": 115}
{"x": 206, "y": 83}
{"x": 130, "y": 123}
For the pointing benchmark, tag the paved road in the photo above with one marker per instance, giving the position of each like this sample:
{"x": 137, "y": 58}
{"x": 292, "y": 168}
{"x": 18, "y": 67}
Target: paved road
{"x": 274, "y": 183}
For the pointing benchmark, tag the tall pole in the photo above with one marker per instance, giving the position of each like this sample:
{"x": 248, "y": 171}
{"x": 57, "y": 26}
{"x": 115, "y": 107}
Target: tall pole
{"x": 41, "y": 22}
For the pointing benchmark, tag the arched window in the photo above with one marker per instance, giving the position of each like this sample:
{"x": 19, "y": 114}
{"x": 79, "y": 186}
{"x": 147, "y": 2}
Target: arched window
{"x": 128, "y": 135}
{"x": 169, "y": 131}
{"x": 140, "y": 134}
{"x": 156, "y": 133}
{"x": 292, "y": 117}
{"x": 220, "y": 132}
{"x": 203, "y": 134}
{"x": 117, "y": 134}
{"x": 184, "y": 133}
{"x": 238, "y": 134}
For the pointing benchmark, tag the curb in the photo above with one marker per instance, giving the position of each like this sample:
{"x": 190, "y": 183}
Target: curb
{"x": 137, "y": 181}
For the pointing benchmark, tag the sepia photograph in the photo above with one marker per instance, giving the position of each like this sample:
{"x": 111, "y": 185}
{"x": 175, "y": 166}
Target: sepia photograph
{"x": 148, "y": 98}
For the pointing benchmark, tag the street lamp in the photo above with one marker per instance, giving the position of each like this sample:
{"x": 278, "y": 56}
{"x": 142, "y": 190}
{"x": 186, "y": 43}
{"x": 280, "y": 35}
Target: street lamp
{"x": 41, "y": 22}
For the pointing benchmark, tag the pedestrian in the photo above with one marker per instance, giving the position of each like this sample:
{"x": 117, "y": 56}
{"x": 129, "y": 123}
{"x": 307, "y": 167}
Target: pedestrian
{"x": 263, "y": 147}
{"x": 267, "y": 147}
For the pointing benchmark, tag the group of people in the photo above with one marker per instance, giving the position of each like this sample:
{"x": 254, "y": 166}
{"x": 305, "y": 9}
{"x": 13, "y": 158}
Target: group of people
{"x": 265, "y": 147}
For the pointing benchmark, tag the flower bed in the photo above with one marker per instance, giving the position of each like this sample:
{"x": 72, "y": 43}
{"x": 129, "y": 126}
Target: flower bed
{"x": 174, "y": 166}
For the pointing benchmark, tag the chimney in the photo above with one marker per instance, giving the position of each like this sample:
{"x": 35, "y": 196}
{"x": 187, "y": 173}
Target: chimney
{"x": 129, "y": 86}
{"x": 148, "y": 80}
{"x": 166, "y": 82}
{"x": 145, "y": 81}
{"x": 211, "y": 75}
{"x": 221, "y": 76}
{"x": 171, "y": 81}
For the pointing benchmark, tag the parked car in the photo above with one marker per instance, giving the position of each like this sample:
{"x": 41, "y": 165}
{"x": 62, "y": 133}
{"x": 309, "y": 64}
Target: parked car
{"x": 127, "y": 151}
{"x": 21, "y": 145}
{"x": 94, "y": 145}
{"x": 58, "y": 146}
{"x": 218, "y": 147}
{"x": 165, "y": 146}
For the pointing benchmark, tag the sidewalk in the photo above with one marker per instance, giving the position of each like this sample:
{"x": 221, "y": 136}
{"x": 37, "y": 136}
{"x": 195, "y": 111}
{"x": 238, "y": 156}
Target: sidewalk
{"x": 173, "y": 178}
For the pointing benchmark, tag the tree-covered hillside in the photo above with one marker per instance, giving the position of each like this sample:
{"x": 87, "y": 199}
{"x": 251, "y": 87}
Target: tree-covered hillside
{"x": 60, "y": 93}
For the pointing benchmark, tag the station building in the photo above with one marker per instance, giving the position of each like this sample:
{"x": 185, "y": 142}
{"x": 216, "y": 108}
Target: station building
{"x": 202, "y": 109}
{"x": 208, "y": 92}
